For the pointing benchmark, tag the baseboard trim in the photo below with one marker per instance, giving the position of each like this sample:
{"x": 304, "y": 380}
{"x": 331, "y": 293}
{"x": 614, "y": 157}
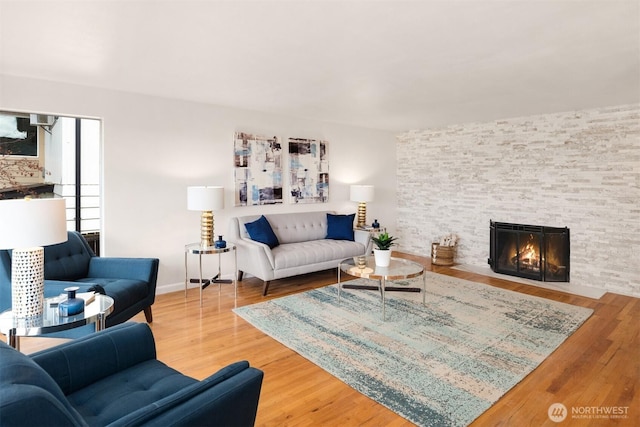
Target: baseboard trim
{"x": 570, "y": 288}
{"x": 167, "y": 288}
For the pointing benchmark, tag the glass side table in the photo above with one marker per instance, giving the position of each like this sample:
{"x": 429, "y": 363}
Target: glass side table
{"x": 366, "y": 268}
{"x": 197, "y": 249}
{"x": 51, "y": 321}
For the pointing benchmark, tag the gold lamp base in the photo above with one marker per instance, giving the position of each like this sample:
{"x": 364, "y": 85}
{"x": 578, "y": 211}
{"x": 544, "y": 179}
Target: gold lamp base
{"x": 206, "y": 229}
{"x": 362, "y": 214}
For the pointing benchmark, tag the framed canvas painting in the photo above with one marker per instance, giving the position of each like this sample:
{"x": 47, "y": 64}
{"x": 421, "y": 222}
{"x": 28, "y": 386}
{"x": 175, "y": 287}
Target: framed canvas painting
{"x": 308, "y": 171}
{"x": 258, "y": 170}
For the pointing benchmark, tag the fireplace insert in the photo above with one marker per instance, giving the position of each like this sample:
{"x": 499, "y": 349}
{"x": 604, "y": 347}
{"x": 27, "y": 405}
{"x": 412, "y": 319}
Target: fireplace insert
{"x": 529, "y": 251}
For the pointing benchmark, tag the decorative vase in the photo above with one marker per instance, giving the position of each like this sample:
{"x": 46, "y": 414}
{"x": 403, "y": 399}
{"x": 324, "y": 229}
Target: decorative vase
{"x": 382, "y": 257}
{"x": 375, "y": 224}
{"x": 72, "y": 305}
{"x": 221, "y": 244}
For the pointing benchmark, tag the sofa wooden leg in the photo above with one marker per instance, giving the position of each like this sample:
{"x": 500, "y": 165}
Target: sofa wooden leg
{"x": 265, "y": 288}
{"x": 240, "y": 274}
{"x": 148, "y": 315}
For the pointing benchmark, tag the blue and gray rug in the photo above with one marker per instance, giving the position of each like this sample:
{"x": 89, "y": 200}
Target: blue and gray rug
{"x": 442, "y": 364}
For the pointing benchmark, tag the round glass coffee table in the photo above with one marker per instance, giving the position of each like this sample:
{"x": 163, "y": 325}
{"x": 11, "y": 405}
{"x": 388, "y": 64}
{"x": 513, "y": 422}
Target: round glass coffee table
{"x": 51, "y": 321}
{"x": 365, "y": 267}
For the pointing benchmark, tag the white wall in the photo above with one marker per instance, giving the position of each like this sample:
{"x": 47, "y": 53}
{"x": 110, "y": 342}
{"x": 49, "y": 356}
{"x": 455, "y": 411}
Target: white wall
{"x": 153, "y": 148}
{"x": 578, "y": 169}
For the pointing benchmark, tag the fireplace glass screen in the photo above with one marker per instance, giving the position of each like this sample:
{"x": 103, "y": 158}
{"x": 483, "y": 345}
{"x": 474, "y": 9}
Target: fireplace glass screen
{"x": 529, "y": 251}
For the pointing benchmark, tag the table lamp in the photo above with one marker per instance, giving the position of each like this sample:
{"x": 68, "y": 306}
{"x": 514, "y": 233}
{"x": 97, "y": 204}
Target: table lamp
{"x": 26, "y": 225}
{"x": 362, "y": 194}
{"x": 205, "y": 199}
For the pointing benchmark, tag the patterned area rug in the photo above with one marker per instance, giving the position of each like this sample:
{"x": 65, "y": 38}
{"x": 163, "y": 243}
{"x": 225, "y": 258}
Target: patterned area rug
{"x": 442, "y": 364}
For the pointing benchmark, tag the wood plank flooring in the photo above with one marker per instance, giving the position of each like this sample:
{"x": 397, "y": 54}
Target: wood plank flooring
{"x": 597, "y": 367}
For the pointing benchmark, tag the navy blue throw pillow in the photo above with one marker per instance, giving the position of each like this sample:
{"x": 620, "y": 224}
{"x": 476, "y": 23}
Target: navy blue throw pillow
{"x": 340, "y": 227}
{"x": 260, "y": 230}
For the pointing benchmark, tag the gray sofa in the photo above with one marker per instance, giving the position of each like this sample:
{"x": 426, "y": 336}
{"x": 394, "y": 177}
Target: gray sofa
{"x": 303, "y": 246}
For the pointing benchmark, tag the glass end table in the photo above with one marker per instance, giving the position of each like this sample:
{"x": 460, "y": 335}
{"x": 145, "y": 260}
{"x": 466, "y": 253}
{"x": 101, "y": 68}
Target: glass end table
{"x": 199, "y": 250}
{"x": 51, "y": 321}
{"x": 365, "y": 267}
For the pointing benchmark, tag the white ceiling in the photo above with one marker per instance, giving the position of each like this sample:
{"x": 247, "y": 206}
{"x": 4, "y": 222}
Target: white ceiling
{"x": 391, "y": 65}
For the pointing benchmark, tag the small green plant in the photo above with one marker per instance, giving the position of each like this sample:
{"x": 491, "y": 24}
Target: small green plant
{"x": 384, "y": 241}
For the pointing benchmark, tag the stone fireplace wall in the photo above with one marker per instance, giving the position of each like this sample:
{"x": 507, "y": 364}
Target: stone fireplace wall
{"x": 576, "y": 169}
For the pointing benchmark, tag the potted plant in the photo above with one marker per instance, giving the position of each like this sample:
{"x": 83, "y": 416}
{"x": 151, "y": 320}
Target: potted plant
{"x": 382, "y": 252}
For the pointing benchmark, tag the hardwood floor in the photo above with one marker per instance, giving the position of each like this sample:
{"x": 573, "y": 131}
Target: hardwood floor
{"x": 597, "y": 368}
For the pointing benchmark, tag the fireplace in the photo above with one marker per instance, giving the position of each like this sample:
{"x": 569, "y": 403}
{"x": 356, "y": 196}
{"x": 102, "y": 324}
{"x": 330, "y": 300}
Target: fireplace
{"x": 529, "y": 251}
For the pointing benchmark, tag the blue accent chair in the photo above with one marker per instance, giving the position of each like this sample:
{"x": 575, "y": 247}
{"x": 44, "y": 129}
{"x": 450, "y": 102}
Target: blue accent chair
{"x": 112, "y": 378}
{"x": 131, "y": 282}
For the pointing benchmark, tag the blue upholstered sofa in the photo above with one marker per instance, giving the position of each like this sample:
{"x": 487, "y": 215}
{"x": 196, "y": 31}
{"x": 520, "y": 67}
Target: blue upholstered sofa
{"x": 131, "y": 282}
{"x": 112, "y": 378}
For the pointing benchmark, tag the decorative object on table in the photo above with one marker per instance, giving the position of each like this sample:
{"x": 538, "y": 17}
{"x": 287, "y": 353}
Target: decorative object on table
{"x": 361, "y": 194}
{"x": 205, "y": 199}
{"x": 382, "y": 252}
{"x": 376, "y": 224}
{"x": 430, "y": 363}
{"x": 258, "y": 170}
{"x": 26, "y": 226}
{"x": 221, "y": 244}
{"x": 72, "y": 305}
{"x": 308, "y": 170}
{"x": 443, "y": 252}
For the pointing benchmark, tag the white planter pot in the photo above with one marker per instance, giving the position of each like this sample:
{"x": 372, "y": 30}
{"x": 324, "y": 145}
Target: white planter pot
{"x": 383, "y": 258}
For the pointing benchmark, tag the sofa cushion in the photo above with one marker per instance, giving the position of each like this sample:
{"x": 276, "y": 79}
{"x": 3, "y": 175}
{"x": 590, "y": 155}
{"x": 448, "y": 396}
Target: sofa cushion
{"x": 115, "y": 396}
{"x": 260, "y": 230}
{"x": 156, "y": 410}
{"x": 340, "y": 227}
{"x": 26, "y": 387}
{"x": 293, "y": 255}
{"x": 68, "y": 260}
{"x": 299, "y": 227}
{"x": 126, "y": 291}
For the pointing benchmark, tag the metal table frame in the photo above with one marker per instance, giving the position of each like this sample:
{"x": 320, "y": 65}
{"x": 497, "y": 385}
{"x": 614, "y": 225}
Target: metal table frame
{"x": 366, "y": 268}
{"x": 197, "y": 249}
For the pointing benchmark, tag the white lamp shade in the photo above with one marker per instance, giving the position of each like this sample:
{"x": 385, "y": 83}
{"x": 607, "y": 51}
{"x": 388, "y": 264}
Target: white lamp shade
{"x": 205, "y": 198}
{"x": 362, "y": 193}
{"x": 26, "y": 223}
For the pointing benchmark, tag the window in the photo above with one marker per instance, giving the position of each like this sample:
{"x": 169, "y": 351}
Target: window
{"x": 17, "y": 136}
{"x": 58, "y": 157}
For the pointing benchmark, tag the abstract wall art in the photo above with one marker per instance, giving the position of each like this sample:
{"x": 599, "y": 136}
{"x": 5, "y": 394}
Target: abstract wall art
{"x": 258, "y": 170}
{"x": 308, "y": 171}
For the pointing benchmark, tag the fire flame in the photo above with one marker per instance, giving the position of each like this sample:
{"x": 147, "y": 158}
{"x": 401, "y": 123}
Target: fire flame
{"x": 529, "y": 252}
{"x": 529, "y": 258}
